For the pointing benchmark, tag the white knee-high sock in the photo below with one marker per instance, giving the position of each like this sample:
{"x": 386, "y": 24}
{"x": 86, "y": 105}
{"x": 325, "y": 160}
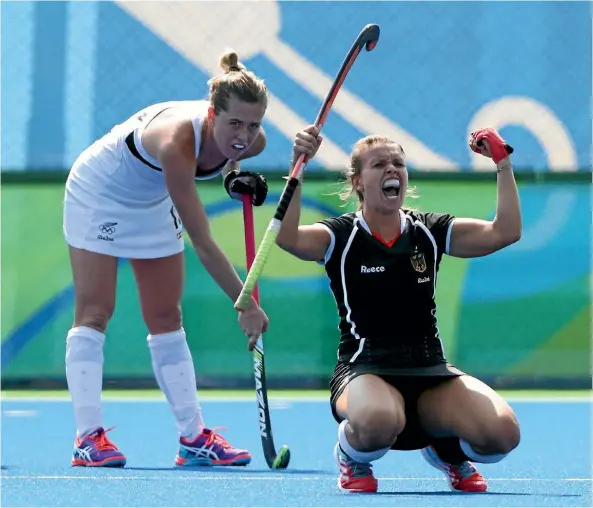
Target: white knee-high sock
{"x": 84, "y": 374}
{"x": 174, "y": 371}
{"x": 364, "y": 457}
{"x": 480, "y": 457}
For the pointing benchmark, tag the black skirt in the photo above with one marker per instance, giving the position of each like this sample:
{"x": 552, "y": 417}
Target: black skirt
{"x": 410, "y": 382}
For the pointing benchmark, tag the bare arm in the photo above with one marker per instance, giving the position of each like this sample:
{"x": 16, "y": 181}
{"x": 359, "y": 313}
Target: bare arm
{"x": 474, "y": 238}
{"x": 229, "y": 167}
{"x": 308, "y": 243}
{"x": 173, "y": 146}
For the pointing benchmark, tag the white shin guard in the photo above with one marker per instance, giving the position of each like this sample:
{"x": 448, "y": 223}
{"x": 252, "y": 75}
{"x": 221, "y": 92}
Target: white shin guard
{"x": 84, "y": 374}
{"x": 174, "y": 371}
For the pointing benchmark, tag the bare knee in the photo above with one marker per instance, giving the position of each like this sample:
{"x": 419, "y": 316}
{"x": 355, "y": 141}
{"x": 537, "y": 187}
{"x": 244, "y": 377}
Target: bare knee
{"x": 509, "y": 433}
{"x": 163, "y": 320}
{"x": 377, "y": 427}
{"x": 160, "y": 286}
{"x": 94, "y": 315}
{"x": 95, "y": 277}
{"x": 500, "y": 436}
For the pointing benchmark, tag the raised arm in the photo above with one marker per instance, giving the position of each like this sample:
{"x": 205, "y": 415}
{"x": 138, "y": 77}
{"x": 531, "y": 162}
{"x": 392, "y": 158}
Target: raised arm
{"x": 475, "y": 237}
{"x": 308, "y": 243}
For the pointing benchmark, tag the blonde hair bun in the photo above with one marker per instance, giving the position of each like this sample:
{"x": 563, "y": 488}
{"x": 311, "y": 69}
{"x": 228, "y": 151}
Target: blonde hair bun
{"x": 229, "y": 62}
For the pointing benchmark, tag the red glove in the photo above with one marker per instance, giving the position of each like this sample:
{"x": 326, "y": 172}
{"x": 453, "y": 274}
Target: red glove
{"x": 497, "y": 146}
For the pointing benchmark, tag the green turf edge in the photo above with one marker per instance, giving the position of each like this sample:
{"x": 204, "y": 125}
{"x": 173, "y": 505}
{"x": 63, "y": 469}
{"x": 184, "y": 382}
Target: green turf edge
{"x": 281, "y": 394}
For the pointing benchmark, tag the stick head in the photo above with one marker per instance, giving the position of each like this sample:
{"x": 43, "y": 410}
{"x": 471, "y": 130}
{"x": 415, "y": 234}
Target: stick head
{"x": 282, "y": 459}
{"x": 369, "y": 36}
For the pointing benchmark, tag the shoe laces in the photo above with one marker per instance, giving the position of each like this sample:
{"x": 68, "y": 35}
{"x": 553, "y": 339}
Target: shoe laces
{"x": 356, "y": 469}
{"x": 464, "y": 470}
{"x": 101, "y": 441}
{"x": 215, "y": 438}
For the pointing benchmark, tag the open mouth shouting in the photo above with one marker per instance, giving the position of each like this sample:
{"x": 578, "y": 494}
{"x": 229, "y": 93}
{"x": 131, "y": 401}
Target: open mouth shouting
{"x": 390, "y": 188}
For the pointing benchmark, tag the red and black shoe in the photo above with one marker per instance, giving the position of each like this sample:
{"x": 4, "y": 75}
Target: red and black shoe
{"x": 354, "y": 476}
{"x": 463, "y": 477}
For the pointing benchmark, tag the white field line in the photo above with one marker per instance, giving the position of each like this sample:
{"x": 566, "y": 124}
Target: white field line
{"x": 226, "y": 478}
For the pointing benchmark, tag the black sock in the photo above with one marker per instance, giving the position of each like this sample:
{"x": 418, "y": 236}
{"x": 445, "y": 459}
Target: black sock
{"x": 449, "y": 450}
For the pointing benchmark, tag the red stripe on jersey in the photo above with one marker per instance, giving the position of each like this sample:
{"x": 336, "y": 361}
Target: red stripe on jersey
{"x": 389, "y": 243}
